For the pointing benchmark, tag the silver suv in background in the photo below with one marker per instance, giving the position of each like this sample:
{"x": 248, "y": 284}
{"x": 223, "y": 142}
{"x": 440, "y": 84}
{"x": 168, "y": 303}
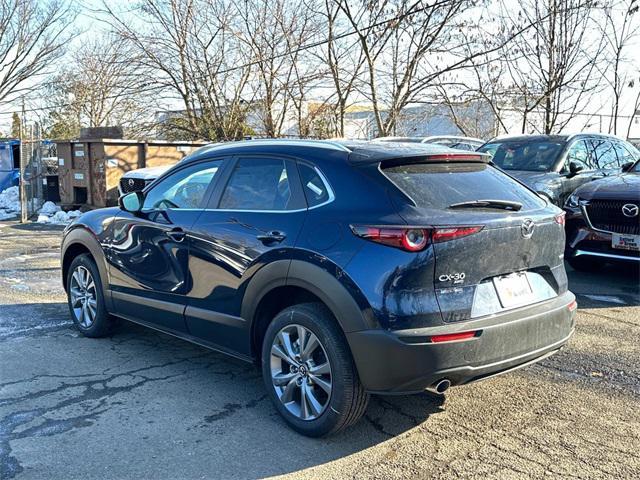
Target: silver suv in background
{"x": 555, "y": 165}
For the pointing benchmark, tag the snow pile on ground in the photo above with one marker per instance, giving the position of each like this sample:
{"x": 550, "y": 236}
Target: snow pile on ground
{"x": 9, "y": 203}
{"x": 52, "y": 214}
{"x": 49, "y": 208}
{"x": 49, "y": 213}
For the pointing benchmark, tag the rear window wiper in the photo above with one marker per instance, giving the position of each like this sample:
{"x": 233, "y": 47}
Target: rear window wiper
{"x": 502, "y": 204}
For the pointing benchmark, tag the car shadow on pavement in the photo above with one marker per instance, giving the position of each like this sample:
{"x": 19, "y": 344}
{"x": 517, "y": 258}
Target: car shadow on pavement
{"x": 143, "y": 387}
{"x": 36, "y": 227}
{"x": 611, "y": 285}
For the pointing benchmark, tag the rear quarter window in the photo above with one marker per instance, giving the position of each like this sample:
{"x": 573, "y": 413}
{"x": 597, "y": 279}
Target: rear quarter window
{"x": 440, "y": 185}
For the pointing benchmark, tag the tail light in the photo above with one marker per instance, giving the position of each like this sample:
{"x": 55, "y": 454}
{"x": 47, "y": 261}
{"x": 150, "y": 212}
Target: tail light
{"x": 572, "y": 306}
{"x": 412, "y": 239}
{"x": 560, "y": 218}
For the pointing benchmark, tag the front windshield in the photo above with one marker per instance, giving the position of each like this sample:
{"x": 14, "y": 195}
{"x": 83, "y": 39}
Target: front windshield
{"x": 532, "y": 156}
{"x": 636, "y": 167}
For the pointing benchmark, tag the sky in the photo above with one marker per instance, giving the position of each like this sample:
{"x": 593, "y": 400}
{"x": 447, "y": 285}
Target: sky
{"x": 89, "y": 24}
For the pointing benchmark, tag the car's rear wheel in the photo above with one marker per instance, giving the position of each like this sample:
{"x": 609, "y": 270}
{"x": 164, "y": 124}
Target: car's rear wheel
{"x": 85, "y": 298}
{"x": 309, "y": 372}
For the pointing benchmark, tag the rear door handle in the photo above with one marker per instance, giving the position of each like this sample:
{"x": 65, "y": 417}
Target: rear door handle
{"x": 271, "y": 237}
{"x": 176, "y": 234}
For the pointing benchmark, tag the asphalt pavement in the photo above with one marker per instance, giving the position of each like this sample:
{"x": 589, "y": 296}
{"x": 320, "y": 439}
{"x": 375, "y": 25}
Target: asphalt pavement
{"x": 141, "y": 404}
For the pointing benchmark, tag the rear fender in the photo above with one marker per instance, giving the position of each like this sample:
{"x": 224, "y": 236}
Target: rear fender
{"x": 337, "y": 291}
{"x": 329, "y": 283}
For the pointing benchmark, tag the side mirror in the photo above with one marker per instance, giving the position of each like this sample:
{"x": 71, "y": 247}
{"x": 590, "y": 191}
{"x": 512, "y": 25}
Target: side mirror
{"x": 627, "y": 166}
{"x": 131, "y": 202}
{"x": 575, "y": 168}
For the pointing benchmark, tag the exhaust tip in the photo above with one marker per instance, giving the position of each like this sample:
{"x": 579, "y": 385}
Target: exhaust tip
{"x": 440, "y": 387}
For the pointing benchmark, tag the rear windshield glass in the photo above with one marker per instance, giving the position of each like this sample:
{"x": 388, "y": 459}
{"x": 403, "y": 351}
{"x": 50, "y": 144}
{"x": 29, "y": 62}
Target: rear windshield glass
{"x": 441, "y": 185}
{"x": 524, "y": 155}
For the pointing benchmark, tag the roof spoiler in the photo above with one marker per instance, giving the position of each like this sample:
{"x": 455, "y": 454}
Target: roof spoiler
{"x": 449, "y": 157}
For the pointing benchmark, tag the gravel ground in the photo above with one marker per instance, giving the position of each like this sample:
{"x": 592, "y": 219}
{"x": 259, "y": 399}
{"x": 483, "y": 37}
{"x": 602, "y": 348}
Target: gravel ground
{"x": 141, "y": 404}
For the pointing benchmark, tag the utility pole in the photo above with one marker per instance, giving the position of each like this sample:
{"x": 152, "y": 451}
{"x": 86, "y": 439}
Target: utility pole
{"x": 23, "y": 167}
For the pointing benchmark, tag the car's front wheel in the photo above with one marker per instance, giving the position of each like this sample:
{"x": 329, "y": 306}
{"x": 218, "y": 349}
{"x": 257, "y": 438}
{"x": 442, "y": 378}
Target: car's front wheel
{"x": 85, "y": 298}
{"x": 309, "y": 372}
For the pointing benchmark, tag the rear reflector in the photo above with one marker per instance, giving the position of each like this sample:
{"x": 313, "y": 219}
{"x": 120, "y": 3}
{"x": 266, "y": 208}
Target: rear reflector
{"x": 411, "y": 239}
{"x": 454, "y": 337}
{"x": 572, "y": 306}
{"x": 560, "y": 218}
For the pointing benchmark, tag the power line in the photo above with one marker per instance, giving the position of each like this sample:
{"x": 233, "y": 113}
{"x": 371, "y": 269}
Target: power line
{"x": 257, "y": 62}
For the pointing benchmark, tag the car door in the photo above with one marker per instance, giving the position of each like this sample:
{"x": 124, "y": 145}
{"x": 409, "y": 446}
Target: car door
{"x": 148, "y": 258}
{"x": 579, "y": 154}
{"x": 254, "y": 217}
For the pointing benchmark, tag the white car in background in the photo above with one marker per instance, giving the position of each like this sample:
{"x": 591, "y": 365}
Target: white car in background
{"x": 451, "y": 141}
{"x": 138, "y": 179}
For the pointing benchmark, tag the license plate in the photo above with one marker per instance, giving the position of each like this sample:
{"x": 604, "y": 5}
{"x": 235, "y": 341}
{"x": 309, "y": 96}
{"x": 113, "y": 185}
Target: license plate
{"x": 513, "y": 289}
{"x": 625, "y": 242}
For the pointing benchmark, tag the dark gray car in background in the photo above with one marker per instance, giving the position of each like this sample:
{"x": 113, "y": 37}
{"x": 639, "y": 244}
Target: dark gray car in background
{"x": 555, "y": 165}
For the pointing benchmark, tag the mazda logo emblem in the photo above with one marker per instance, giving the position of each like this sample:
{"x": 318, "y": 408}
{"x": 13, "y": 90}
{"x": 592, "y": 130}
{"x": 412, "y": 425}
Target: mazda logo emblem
{"x": 527, "y": 228}
{"x": 131, "y": 182}
{"x": 630, "y": 210}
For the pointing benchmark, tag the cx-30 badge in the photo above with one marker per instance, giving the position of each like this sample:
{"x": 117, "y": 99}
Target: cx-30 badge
{"x": 527, "y": 228}
{"x": 630, "y": 210}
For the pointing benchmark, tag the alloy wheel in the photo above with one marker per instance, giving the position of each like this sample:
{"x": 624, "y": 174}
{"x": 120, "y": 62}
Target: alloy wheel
{"x": 301, "y": 372}
{"x": 83, "y": 296}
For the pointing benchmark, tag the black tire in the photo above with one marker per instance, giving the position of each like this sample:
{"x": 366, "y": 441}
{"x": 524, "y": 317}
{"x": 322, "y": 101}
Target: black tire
{"x": 347, "y": 401}
{"x": 585, "y": 264}
{"x": 101, "y": 322}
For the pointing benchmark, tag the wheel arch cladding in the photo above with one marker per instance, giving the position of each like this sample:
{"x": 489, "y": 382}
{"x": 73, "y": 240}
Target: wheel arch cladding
{"x": 80, "y": 241}
{"x": 270, "y": 292}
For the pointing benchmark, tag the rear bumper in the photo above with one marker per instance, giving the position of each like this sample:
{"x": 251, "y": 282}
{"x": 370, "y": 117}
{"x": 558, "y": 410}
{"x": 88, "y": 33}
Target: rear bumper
{"x": 405, "y": 362}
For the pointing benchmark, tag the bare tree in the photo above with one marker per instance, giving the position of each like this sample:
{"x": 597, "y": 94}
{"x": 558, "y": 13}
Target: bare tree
{"x": 192, "y": 48}
{"x": 344, "y": 59}
{"x": 96, "y": 88}
{"x": 395, "y": 50}
{"x": 635, "y": 82}
{"x": 619, "y": 29}
{"x": 33, "y": 35}
{"x": 274, "y": 32}
{"x": 553, "y": 66}
{"x": 409, "y": 46}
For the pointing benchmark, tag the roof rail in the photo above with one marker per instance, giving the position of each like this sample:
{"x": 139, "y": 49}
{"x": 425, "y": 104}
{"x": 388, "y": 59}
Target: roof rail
{"x": 276, "y": 141}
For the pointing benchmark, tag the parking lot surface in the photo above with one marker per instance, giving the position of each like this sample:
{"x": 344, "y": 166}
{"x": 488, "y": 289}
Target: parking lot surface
{"x": 141, "y": 404}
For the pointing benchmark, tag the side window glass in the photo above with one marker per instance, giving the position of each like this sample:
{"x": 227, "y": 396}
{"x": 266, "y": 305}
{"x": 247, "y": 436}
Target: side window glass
{"x": 605, "y": 154}
{"x": 259, "y": 184}
{"x": 184, "y": 189}
{"x": 315, "y": 190}
{"x": 579, "y": 154}
{"x": 624, "y": 154}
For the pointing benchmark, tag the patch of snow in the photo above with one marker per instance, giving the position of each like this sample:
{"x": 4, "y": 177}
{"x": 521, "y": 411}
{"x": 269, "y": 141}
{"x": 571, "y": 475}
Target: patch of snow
{"x": 49, "y": 213}
{"x": 9, "y": 203}
{"x": 49, "y": 208}
{"x": 60, "y": 217}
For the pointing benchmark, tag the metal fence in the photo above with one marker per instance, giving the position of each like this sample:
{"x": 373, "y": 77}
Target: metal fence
{"x": 37, "y": 160}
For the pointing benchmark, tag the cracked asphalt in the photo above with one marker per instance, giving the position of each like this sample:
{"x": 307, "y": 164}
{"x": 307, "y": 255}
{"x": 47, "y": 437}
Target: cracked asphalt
{"x": 141, "y": 404}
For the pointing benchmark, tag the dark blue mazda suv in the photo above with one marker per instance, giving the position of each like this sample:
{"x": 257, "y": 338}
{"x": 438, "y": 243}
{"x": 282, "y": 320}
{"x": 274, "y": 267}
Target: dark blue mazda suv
{"x": 341, "y": 269}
